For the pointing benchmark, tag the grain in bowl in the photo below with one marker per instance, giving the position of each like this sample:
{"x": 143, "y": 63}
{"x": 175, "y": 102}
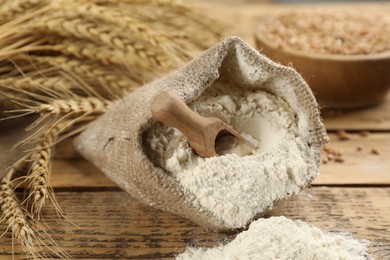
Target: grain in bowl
{"x": 344, "y": 55}
{"x": 330, "y": 32}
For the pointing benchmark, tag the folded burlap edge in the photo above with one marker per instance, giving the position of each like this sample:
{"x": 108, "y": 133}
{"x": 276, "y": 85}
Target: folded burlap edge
{"x": 119, "y": 152}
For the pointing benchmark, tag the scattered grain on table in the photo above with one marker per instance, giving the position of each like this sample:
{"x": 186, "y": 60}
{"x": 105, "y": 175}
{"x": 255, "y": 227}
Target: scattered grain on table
{"x": 332, "y": 154}
{"x": 375, "y": 152}
{"x": 343, "y": 135}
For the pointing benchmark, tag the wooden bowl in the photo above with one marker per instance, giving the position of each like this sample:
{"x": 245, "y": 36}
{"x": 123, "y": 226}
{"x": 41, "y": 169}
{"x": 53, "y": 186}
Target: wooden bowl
{"x": 338, "y": 81}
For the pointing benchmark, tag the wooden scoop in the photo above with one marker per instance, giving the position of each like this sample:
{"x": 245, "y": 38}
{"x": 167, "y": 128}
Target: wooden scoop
{"x": 201, "y": 132}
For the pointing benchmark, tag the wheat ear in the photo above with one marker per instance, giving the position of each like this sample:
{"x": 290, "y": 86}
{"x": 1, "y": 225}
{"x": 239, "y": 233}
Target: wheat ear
{"x": 37, "y": 84}
{"x": 21, "y": 223}
{"x": 70, "y": 108}
{"x": 102, "y": 78}
{"x": 105, "y": 55}
{"x": 40, "y": 168}
{"x": 13, "y": 8}
{"x": 66, "y": 25}
{"x": 133, "y": 27}
{"x": 88, "y": 105}
{"x": 13, "y": 214}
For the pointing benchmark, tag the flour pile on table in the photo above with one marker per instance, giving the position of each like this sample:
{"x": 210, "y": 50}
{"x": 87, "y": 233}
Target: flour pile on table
{"x": 241, "y": 183}
{"x": 282, "y": 238}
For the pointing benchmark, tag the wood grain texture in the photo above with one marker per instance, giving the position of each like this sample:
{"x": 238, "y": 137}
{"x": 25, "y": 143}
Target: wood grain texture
{"x": 376, "y": 118}
{"x": 78, "y": 173}
{"x": 111, "y": 225}
{"x": 359, "y": 167}
{"x": 12, "y": 132}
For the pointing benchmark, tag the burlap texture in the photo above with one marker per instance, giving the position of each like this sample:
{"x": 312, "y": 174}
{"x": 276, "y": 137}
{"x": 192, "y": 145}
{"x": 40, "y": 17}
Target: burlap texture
{"x": 114, "y": 142}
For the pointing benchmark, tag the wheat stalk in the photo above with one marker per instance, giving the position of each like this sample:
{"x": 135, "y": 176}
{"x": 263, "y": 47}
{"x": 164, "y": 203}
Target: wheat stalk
{"x": 23, "y": 65}
{"x": 24, "y": 88}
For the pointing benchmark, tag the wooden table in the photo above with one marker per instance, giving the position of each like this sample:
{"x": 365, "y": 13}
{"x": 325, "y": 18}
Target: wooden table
{"x": 103, "y": 222}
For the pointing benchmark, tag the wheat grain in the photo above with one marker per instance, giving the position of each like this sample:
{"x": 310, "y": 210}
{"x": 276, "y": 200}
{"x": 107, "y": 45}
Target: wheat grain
{"x": 329, "y": 32}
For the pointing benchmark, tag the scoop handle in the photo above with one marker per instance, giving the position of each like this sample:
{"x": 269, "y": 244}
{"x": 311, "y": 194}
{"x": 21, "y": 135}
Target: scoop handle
{"x": 170, "y": 109}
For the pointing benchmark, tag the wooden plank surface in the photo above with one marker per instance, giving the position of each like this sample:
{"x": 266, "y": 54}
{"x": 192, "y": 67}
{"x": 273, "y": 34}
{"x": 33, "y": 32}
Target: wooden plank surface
{"x": 359, "y": 167}
{"x": 78, "y": 173}
{"x": 375, "y": 118}
{"x": 111, "y": 225}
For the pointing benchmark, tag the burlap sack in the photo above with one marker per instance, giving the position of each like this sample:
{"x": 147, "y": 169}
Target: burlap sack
{"x": 114, "y": 143}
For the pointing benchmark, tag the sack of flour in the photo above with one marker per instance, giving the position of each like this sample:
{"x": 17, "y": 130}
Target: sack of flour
{"x": 262, "y": 100}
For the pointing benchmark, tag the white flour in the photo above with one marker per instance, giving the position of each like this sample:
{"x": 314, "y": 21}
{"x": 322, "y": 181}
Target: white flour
{"x": 284, "y": 239}
{"x": 240, "y": 184}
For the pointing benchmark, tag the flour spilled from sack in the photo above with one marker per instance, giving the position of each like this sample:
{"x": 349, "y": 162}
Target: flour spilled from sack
{"x": 241, "y": 183}
{"x": 282, "y": 238}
